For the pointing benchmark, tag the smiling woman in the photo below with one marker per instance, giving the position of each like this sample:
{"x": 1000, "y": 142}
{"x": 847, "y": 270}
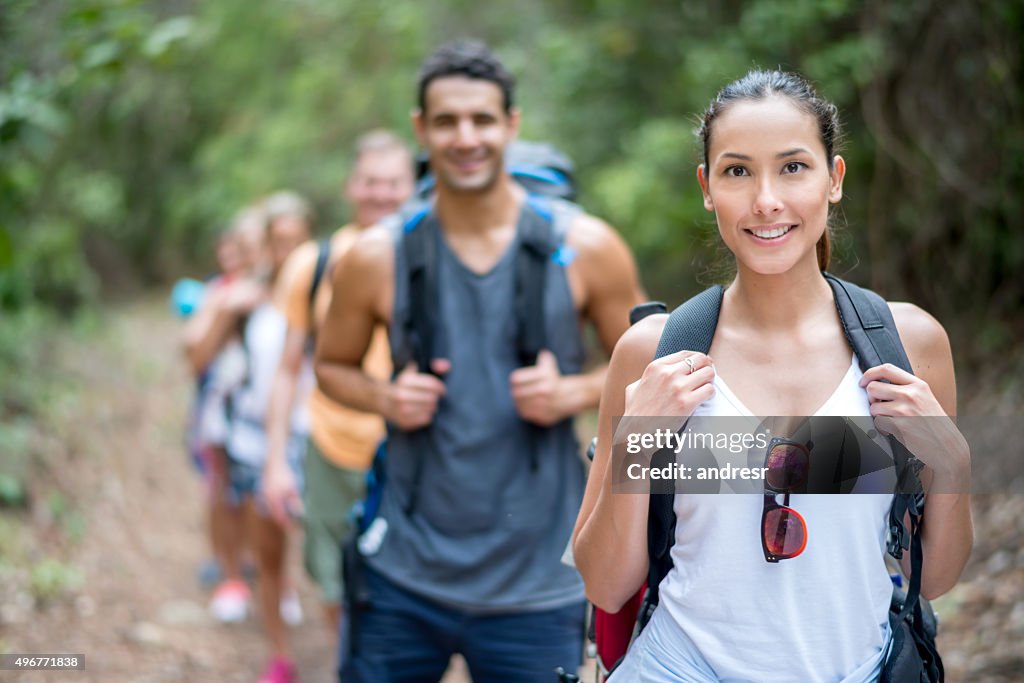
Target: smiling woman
{"x": 812, "y": 567}
{"x": 780, "y": 170}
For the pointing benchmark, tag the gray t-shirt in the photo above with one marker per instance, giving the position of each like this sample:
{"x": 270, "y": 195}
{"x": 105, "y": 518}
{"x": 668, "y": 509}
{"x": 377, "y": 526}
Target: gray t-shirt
{"x": 487, "y": 531}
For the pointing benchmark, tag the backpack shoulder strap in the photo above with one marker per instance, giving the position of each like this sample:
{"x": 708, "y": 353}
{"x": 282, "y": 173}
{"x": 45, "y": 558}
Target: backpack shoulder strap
{"x": 868, "y": 324}
{"x": 419, "y": 250}
{"x": 871, "y": 331}
{"x": 691, "y": 326}
{"x": 323, "y": 256}
{"x": 543, "y": 225}
{"x": 423, "y": 340}
{"x": 542, "y": 229}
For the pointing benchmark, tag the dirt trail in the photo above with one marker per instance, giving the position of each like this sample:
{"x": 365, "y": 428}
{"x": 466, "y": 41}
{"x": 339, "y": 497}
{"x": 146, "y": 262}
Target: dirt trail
{"x": 140, "y": 614}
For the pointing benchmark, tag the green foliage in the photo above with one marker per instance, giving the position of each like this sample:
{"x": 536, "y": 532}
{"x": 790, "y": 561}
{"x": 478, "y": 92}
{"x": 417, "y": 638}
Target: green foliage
{"x": 12, "y": 491}
{"x": 131, "y": 130}
{"x": 25, "y": 381}
{"x": 51, "y": 578}
{"x": 14, "y": 462}
{"x": 24, "y": 348}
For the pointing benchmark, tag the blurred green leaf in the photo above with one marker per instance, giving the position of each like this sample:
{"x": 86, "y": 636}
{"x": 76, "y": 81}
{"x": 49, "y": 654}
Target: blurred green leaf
{"x": 102, "y": 54}
{"x": 6, "y": 248}
{"x": 163, "y": 37}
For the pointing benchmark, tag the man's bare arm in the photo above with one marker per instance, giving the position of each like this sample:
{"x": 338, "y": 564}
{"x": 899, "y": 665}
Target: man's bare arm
{"x": 609, "y": 276}
{"x": 604, "y": 282}
{"x": 947, "y": 529}
{"x": 363, "y": 291}
{"x": 611, "y": 287}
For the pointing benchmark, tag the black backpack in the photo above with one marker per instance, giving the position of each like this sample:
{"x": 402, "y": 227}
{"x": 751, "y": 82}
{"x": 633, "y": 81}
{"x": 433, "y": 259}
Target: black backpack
{"x": 871, "y": 332}
{"x": 547, "y": 213}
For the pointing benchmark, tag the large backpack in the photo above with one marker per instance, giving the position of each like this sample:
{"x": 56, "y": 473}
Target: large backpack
{"x": 871, "y": 332}
{"x": 541, "y": 168}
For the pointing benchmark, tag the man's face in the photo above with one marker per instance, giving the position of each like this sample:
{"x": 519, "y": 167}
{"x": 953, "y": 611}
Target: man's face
{"x": 380, "y": 183}
{"x": 465, "y": 130}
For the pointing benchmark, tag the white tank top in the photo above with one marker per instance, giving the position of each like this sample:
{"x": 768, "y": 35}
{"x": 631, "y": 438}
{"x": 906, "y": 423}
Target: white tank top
{"x": 820, "y": 616}
{"x": 265, "y": 335}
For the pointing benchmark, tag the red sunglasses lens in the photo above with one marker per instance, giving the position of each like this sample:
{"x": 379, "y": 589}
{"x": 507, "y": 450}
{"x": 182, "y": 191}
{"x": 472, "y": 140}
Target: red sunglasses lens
{"x": 785, "y": 533}
{"x": 787, "y": 466}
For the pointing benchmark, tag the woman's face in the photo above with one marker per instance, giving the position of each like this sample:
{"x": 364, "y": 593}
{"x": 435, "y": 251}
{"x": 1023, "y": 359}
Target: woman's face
{"x": 284, "y": 235}
{"x": 769, "y": 183}
{"x": 230, "y": 259}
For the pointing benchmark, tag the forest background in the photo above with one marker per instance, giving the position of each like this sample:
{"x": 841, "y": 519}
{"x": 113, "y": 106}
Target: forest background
{"x": 132, "y": 130}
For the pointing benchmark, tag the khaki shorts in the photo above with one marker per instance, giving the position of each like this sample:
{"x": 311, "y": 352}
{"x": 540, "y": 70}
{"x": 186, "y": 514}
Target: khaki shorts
{"x": 330, "y": 493}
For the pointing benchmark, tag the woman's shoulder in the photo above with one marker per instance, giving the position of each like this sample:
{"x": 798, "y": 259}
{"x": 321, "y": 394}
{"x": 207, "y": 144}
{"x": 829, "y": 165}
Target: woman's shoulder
{"x": 636, "y": 348}
{"x": 923, "y": 337}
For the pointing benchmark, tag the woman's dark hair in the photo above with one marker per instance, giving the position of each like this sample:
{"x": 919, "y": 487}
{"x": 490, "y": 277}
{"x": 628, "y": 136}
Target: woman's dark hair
{"x": 469, "y": 58}
{"x": 759, "y": 85}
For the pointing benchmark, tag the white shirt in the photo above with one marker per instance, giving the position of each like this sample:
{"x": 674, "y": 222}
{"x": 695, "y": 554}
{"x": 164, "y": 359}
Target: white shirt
{"x": 264, "y": 341}
{"x": 819, "y": 616}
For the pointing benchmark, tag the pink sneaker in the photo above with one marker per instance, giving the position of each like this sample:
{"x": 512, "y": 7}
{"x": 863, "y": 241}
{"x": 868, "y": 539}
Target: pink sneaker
{"x": 280, "y": 670}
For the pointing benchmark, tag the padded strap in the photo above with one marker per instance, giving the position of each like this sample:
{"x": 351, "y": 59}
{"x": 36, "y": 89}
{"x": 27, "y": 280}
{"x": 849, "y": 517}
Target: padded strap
{"x": 868, "y": 324}
{"x": 323, "y": 255}
{"x": 419, "y": 242}
{"x": 536, "y": 245}
{"x": 420, "y": 249}
{"x": 691, "y": 326}
{"x": 870, "y": 329}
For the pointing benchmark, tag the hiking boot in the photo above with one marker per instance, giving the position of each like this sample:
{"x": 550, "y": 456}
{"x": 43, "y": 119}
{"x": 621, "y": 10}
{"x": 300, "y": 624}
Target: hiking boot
{"x": 291, "y": 608}
{"x": 280, "y": 670}
{"x": 230, "y": 603}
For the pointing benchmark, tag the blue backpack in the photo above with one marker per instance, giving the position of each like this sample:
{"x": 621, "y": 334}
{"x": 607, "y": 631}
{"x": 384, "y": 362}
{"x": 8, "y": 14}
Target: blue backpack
{"x": 539, "y": 167}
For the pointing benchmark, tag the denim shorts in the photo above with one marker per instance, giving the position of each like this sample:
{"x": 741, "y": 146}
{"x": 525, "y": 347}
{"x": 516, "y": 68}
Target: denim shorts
{"x": 244, "y": 479}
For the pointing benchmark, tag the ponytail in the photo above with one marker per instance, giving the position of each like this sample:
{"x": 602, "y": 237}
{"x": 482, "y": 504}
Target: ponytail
{"x": 824, "y": 249}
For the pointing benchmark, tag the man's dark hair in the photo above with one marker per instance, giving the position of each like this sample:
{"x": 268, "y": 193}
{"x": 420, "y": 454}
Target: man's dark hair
{"x": 469, "y": 58}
